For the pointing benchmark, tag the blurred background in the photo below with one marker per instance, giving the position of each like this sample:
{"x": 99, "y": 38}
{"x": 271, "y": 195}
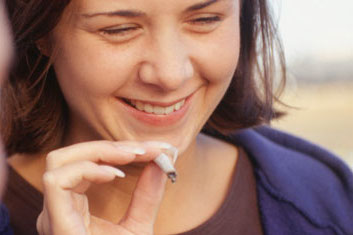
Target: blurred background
{"x": 318, "y": 42}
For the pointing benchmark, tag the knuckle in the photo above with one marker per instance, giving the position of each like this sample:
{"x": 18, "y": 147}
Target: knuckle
{"x": 87, "y": 164}
{"x": 145, "y": 195}
{"x": 49, "y": 178}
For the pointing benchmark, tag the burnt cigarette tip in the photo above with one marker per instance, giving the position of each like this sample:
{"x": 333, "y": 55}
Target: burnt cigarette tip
{"x": 172, "y": 176}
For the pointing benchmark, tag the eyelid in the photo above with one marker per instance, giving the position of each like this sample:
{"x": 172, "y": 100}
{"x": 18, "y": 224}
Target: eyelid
{"x": 120, "y": 27}
{"x": 121, "y": 33}
{"x": 204, "y": 23}
{"x": 212, "y": 16}
{"x": 206, "y": 19}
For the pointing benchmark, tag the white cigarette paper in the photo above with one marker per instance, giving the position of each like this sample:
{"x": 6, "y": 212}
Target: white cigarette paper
{"x": 165, "y": 163}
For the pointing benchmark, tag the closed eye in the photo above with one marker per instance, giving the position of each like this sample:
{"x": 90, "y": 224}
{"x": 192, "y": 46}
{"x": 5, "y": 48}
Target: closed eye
{"x": 121, "y": 33}
{"x": 205, "y": 23}
{"x": 206, "y": 20}
{"x": 122, "y": 30}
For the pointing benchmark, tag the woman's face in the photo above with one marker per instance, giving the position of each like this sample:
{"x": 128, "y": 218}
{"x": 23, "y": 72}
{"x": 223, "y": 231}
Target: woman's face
{"x": 145, "y": 70}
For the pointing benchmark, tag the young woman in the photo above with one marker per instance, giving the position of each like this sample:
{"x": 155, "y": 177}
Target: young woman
{"x": 107, "y": 85}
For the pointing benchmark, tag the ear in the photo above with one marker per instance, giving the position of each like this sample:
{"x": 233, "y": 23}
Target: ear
{"x": 44, "y": 46}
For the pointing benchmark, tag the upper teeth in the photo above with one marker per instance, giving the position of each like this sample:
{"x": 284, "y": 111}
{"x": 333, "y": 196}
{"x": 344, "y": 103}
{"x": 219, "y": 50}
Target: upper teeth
{"x": 159, "y": 110}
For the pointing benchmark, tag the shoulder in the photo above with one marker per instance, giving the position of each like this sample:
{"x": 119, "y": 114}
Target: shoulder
{"x": 4, "y": 221}
{"x": 312, "y": 180}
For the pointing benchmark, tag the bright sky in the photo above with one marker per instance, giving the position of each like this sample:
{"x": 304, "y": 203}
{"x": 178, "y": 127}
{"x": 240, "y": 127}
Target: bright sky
{"x": 320, "y": 28}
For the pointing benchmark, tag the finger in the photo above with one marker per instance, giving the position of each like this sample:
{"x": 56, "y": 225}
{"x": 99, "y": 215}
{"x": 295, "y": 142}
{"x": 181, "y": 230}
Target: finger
{"x": 146, "y": 200}
{"x": 65, "y": 208}
{"x": 42, "y": 224}
{"x": 100, "y": 226}
{"x": 70, "y": 176}
{"x": 66, "y": 225}
{"x": 113, "y": 153}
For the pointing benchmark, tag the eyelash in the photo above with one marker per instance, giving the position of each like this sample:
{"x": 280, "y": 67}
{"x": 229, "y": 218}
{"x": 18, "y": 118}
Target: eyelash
{"x": 197, "y": 21}
{"x": 206, "y": 20}
{"x": 118, "y": 31}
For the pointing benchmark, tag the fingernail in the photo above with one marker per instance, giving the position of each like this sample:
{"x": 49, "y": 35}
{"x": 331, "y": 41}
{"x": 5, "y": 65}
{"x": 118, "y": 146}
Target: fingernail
{"x": 173, "y": 151}
{"x": 132, "y": 149}
{"x": 158, "y": 144}
{"x": 113, "y": 170}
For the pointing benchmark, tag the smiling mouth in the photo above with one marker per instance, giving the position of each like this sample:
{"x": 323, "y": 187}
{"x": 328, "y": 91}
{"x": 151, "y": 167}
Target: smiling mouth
{"x": 155, "y": 109}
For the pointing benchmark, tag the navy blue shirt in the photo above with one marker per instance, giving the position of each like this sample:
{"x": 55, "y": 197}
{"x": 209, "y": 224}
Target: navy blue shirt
{"x": 4, "y": 221}
{"x": 302, "y": 188}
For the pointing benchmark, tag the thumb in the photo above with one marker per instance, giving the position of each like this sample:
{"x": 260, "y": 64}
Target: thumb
{"x": 145, "y": 202}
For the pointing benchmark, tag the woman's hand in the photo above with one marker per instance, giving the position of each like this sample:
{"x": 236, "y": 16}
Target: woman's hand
{"x": 71, "y": 170}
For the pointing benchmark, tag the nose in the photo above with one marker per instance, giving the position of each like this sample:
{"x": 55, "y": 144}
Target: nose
{"x": 167, "y": 63}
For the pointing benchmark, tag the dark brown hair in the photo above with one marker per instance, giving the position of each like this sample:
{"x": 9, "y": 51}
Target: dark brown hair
{"x": 251, "y": 95}
{"x": 34, "y": 113}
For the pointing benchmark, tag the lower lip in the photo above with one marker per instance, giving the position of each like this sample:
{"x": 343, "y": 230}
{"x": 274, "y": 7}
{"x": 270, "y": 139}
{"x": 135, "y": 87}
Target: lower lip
{"x": 158, "y": 120}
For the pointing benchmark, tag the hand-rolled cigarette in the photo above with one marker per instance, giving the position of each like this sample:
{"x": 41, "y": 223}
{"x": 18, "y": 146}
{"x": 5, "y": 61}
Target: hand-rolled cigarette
{"x": 164, "y": 162}
{"x": 173, "y": 151}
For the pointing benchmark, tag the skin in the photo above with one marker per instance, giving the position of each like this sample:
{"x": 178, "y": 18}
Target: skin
{"x": 165, "y": 59}
{"x": 5, "y": 56}
{"x": 170, "y": 51}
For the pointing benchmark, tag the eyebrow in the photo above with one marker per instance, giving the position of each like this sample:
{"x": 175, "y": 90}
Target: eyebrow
{"x": 123, "y": 13}
{"x": 201, "y": 5}
{"x": 136, "y": 13}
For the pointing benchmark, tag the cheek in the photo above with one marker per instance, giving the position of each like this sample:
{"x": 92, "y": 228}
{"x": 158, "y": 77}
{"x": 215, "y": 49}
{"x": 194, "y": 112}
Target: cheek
{"x": 219, "y": 56}
{"x": 93, "y": 67}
